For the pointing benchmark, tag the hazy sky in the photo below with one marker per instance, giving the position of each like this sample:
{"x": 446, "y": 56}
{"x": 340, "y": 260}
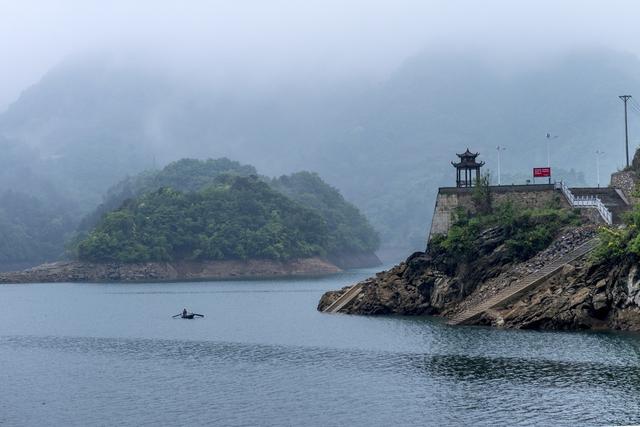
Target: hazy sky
{"x": 272, "y": 39}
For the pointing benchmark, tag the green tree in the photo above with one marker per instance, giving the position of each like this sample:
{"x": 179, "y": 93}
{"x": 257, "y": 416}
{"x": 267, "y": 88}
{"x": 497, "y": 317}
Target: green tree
{"x": 482, "y": 195}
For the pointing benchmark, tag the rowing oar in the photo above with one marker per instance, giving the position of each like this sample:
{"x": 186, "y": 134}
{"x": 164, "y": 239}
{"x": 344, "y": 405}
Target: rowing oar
{"x": 199, "y": 315}
{"x": 179, "y": 314}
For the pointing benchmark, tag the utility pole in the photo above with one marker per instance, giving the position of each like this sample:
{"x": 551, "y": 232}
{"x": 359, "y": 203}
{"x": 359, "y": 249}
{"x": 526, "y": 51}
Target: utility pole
{"x": 598, "y": 154}
{"x": 625, "y": 98}
{"x": 549, "y": 138}
{"x": 499, "y": 148}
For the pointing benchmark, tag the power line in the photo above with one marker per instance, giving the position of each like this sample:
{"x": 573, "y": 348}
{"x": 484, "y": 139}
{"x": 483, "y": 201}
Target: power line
{"x": 635, "y": 109}
{"x": 634, "y": 105}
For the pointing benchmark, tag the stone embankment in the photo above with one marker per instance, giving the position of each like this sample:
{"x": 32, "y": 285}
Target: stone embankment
{"x": 75, "y": 271}
{"x": 584, "y": 295}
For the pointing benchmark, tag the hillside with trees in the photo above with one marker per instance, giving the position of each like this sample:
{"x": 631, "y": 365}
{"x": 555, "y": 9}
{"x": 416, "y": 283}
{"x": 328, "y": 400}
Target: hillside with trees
{"x": 222, "y": 188}
{"x": 347, "y": 231}
{"x": 183, "y": 175}
{"x": 234, "y": 218}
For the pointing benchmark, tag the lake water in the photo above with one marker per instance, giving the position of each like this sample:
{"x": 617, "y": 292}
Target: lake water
{"x": 110, "y": 354}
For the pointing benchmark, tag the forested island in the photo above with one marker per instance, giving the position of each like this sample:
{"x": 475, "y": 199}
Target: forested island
{"x": 215, "y": 218}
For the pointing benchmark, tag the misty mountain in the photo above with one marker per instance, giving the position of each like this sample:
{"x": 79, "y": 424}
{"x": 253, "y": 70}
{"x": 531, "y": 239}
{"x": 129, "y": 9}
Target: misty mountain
{"x": 31, "y": 231}
{"x": 386, "y": 146}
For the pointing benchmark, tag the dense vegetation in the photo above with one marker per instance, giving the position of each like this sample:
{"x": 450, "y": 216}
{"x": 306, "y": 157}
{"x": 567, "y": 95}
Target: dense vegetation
{"x": 182, "y": 175}
{"x": 215, "y": 226}
{"x": 524, "y": 232}
{"x": 617, "y": 244}
{"x": 235, "y": 218}
{"x": 348, "y": 230}
{"x": 620, "y": 243}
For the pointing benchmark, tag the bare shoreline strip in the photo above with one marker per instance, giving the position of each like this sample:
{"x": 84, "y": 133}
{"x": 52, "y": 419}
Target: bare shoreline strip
{"x": 76, "y": 271}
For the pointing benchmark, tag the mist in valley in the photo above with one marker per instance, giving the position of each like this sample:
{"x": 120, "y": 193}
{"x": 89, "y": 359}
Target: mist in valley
{"x": 374, "y": 97}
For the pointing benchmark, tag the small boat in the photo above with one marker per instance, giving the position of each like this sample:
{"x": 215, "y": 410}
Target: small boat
{"x": 187, "y": 315}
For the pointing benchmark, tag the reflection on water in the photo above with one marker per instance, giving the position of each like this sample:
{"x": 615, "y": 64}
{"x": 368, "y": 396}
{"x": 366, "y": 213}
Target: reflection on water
{"x": 532, "y": 372}
{"x": 111, "y": 354}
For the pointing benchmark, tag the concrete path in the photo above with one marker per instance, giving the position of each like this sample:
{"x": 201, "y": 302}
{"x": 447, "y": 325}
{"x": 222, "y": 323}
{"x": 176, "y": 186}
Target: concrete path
{"x": 344, "y": 299}
{"x": 524, "y": 285}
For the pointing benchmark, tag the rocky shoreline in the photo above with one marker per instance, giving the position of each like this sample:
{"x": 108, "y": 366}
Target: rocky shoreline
{"x": 582, "y": 296}
{"x": 585, "y": 295}
{"x": 76, "y": 271}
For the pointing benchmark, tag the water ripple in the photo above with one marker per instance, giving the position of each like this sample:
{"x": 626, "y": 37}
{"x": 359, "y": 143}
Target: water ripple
{"x": 471, "y": 387}
{"x": 272, "y": 359}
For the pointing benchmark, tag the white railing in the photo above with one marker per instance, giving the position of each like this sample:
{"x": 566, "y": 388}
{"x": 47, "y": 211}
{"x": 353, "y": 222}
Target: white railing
{"x": 587, "y": 202}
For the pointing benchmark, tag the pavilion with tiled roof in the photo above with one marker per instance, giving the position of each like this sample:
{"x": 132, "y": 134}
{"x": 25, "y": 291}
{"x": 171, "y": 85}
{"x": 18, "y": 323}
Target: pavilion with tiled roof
{"x": 466, "y": 168}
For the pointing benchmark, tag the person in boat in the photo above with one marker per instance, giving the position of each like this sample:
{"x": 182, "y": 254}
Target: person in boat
{"x": 184, "y": 312}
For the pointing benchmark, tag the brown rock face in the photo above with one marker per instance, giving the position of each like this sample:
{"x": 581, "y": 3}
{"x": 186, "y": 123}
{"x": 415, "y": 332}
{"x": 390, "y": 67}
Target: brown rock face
{"x": 591, "y": 296}
{"x": 419, "y": 286}
{"x": 584, "y": 295}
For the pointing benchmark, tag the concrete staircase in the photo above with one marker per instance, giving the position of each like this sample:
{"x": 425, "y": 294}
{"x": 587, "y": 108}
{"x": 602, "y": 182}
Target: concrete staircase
{"x": 344, "y": 299}
{"x": 613, "y": 199}
{"x": 523, "y": 285}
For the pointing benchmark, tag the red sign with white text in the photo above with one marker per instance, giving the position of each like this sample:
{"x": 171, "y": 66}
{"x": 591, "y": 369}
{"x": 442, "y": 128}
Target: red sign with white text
{"x": 541, "y": 172}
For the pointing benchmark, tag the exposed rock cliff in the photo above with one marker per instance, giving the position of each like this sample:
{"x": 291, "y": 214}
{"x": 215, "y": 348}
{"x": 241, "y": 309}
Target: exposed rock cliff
{"x": 585, "y": 295}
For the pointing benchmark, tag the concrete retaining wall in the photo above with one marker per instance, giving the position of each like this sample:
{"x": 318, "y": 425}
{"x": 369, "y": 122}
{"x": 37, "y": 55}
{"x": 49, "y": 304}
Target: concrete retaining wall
{"x": 526, "y": 196}
{"x": 625, "y": 181}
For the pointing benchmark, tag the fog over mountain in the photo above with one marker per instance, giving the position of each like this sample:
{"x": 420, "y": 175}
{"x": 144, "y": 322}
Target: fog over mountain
{"x": 373, "y": 98}
{"x": 90, "y": 122}
{"x": 260, "y": 45}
